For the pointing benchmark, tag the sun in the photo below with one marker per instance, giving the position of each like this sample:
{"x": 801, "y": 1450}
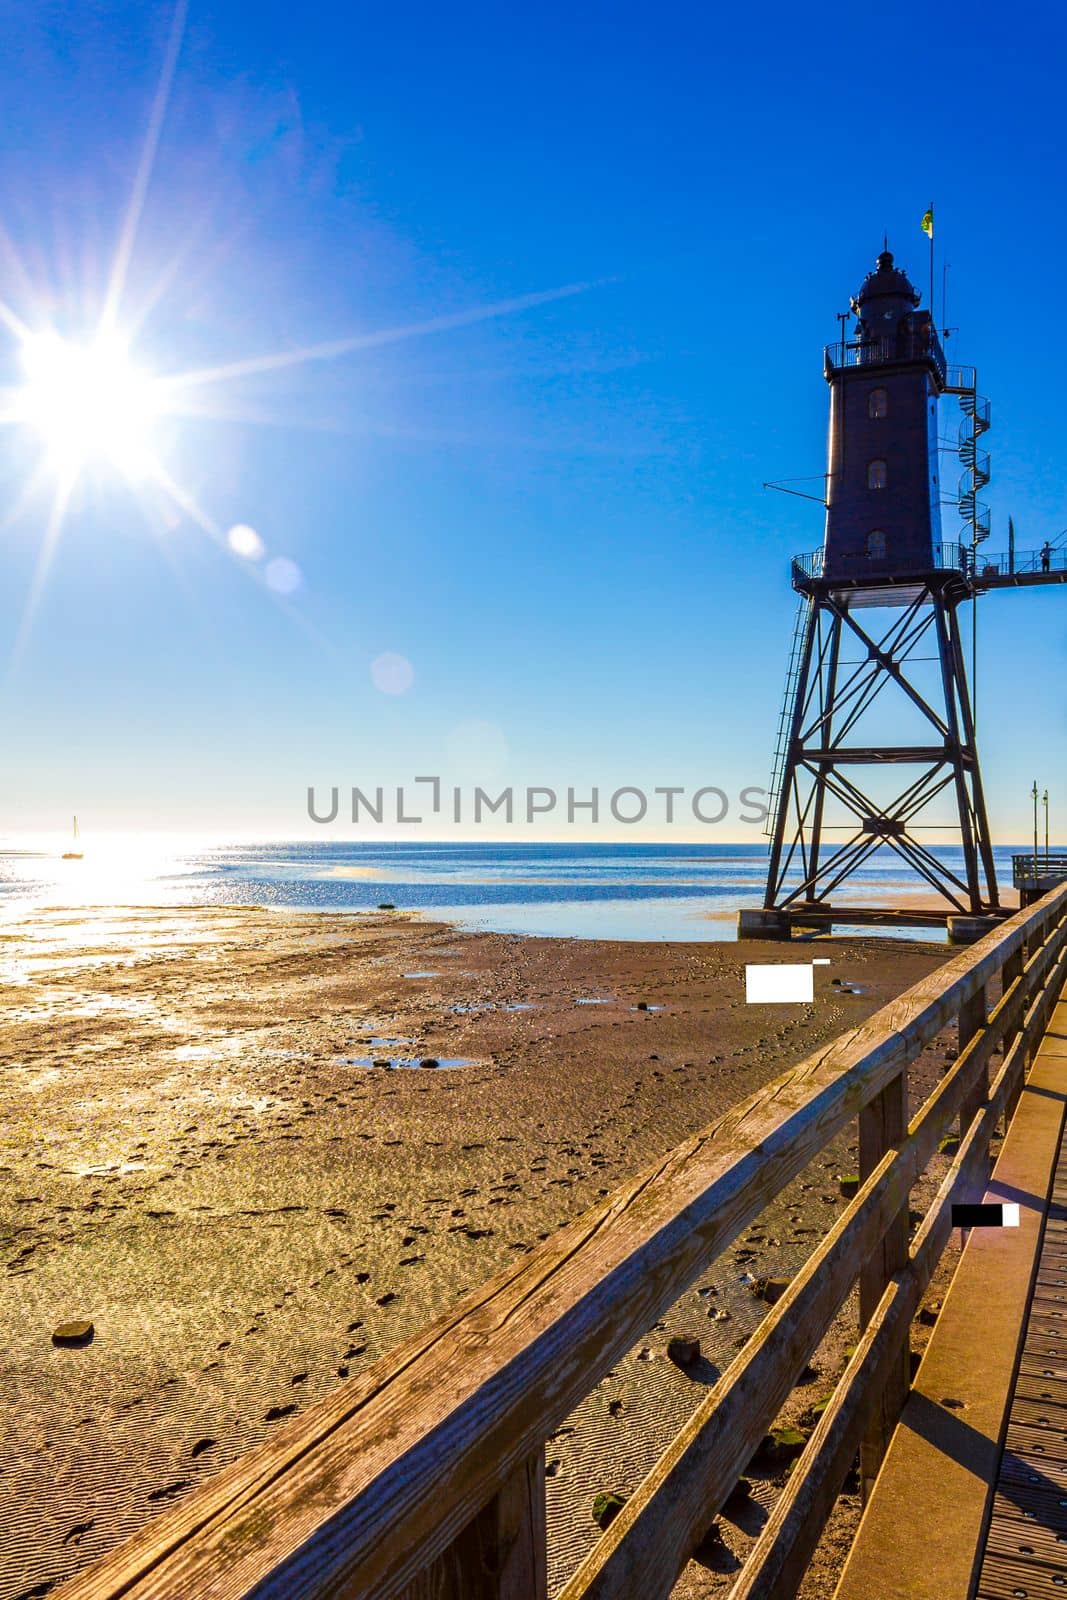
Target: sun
{"x": 87, "y": 402}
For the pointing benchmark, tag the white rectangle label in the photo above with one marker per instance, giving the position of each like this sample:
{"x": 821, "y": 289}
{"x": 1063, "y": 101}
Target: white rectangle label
{"x": 779, "y": 984}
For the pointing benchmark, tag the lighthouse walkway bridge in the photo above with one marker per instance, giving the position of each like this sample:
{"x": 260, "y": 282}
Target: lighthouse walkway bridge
{"x": 1014, "y": 569}
{"x": 424, "y": 1477}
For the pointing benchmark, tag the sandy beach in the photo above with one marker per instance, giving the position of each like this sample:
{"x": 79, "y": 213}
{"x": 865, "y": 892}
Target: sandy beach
{"x": 199, "y": 1154}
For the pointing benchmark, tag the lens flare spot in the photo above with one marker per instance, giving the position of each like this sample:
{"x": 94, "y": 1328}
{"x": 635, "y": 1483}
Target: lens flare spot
{"x": 392, "y": 673}
{"x": 245, "y": 541}
{"x": 283, "y": 575}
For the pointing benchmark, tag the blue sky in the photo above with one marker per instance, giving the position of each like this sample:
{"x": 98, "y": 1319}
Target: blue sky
{"x": 555, "y": 514}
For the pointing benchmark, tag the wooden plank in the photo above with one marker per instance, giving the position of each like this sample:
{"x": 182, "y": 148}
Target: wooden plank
{"x": 664, "y": 1520}
{"x": 882, "y": 1127}
{"x": 971, "y": 1022}
{"x": 921, "y": 1532}
{"x": 776, "y": 1563}
{"x": 1028, "y": 1009}
{"x": 1011, "y": 981}
{"x": 676, "y": 1502}
{"x": 379, "y": 1478}
{"x": 502, "y": 1554}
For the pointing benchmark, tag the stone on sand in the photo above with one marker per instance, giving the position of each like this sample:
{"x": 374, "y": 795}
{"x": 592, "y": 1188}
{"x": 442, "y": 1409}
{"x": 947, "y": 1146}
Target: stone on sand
{"x": 606, "y": 1508}
{"x": 79, "y": 1331}
{"x": 770, "y": 1289}
{"x": 683, "y": 1352}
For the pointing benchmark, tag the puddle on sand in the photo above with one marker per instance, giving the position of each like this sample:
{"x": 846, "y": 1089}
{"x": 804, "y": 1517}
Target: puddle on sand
{"x": 420, "y": 974}
{"x": 427, "y": 1063}
{"x": 521, "y": 1005}
{"x": 596, "y": 1000}
{"x": 648, "y": 1008}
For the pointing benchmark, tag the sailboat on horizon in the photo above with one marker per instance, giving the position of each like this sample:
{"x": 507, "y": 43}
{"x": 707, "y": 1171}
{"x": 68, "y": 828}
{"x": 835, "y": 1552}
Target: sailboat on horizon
{"x": 75, "y": 854}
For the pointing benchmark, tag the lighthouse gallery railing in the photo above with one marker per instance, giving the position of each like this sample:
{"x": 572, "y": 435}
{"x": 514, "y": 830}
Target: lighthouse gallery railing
{"x": 907, "y": 345}
{"x": 948, "y": 557}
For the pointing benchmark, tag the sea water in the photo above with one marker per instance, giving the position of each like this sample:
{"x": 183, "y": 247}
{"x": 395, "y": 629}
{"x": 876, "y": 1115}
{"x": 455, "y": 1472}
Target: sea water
{"x": 606, "y": 891}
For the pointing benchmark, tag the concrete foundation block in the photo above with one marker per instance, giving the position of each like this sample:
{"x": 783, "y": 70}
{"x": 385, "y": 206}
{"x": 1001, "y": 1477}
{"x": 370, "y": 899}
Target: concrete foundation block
{"x": 968, "y": 930}
{"x": 763, "y": 925}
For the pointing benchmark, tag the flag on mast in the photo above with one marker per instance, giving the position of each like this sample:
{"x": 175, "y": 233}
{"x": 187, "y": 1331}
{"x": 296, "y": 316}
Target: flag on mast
{"x": 927, "y": 223}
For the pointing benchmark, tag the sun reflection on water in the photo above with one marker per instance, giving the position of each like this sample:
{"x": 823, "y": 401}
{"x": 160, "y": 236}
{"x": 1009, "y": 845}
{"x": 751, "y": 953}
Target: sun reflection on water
{"x": 116, "y": 870}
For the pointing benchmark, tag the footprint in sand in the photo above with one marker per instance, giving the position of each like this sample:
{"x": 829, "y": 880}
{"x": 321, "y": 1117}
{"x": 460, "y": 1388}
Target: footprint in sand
{"x": 273, "y": 1415}
{"x": 201, "y": 1445}
{"x": 77, "y": 1532}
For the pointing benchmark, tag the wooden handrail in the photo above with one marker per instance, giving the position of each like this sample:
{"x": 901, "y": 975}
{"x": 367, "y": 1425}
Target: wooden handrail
{"x": 658, "y": 1528}
{"x": 423, "y": 1476}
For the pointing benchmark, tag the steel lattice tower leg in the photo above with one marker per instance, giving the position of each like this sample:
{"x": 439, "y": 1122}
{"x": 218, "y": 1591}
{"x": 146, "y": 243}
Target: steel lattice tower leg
{"x": 822, "y": 769}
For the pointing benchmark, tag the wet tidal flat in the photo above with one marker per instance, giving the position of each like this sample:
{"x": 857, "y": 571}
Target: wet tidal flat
{"x": 256, "y": 1150}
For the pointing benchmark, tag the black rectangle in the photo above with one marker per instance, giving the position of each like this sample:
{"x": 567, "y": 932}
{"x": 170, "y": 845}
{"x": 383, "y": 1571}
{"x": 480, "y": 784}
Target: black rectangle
{"x": 964, "y": 1216}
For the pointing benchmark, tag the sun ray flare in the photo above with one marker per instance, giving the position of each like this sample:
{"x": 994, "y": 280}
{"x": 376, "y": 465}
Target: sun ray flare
{"x": 53, "y": 528}
{"x": 131, "y": 222}
{"x": 330, "y": 349}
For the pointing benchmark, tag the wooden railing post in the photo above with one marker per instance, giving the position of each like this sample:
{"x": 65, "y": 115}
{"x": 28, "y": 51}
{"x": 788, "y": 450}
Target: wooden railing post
{"x": 1013, "y": 969}
{"x": 883, "y": 1124}
{"x": 973, "y": 1018}
{"x": 502, "y": 1553}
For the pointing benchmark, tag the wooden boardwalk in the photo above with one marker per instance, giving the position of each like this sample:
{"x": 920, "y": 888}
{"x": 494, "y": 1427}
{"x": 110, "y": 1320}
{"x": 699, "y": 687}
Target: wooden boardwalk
{"x": 972, "y": 1498}
{"x": 1026, "y": 1546}
{"x": 423, "y": 1478}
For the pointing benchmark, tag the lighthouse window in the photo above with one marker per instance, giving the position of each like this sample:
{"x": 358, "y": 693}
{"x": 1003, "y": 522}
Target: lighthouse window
{"x": 876, "y": 478}
{"x": 878, "y": 403}
{"x": 876, "y": 545}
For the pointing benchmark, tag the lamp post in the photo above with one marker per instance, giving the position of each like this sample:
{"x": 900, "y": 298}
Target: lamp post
{"x": 1033, "y": 792}
{"x": 1044, "y": 798}
{"x": 842, "y": 317}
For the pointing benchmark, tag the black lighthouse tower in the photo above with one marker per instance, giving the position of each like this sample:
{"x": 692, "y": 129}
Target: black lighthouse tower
{"x": 883, "y": 502}
{"x": 877, "y": 740}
